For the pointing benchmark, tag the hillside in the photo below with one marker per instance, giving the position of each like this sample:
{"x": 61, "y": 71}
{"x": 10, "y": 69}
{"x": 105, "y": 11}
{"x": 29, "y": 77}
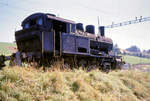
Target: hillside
{"x": 27, "y": 84}
{"x": 5, "y": 48}
{"x": 135, "y": 60}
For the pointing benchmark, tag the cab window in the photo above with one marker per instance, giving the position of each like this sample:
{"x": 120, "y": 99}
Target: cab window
{"x": 33, "y": 22}
{"x": 26, "y": 26}
{"x": 40, "y": 21}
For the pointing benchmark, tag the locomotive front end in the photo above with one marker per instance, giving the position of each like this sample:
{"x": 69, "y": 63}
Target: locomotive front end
{"x": 30, "y": 41}
{"x": 29, "y": 38}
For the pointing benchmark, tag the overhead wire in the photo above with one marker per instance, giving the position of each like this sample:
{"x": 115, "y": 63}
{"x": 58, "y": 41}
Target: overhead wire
{"x": 91, "y": 8}
{"x": 15, "y": 7}
{"x": 81, "y": 5}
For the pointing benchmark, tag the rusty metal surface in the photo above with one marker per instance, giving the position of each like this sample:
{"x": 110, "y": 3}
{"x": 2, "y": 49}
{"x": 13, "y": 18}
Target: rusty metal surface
{"x": 60, "y": 19}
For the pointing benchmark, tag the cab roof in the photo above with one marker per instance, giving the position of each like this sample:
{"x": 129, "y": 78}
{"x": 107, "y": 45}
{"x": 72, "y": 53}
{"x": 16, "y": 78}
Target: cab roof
{"x": 46, "y": 15}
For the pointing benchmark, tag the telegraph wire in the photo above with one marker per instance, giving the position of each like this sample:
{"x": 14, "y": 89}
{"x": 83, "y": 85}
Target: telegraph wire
{"x": 24, "y": 9}
{"x": 125, "y": 23}
{"x": 15, "y": 7}
{"x": 94, "y": 9}
{"x": 5, "y": 4}
{"x": 82, "y": 5}
{"x": 113, "y": 25}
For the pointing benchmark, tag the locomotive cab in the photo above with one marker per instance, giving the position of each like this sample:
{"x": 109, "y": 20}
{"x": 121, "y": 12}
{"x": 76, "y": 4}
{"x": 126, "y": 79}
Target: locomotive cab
{"x": 58, "y": 26}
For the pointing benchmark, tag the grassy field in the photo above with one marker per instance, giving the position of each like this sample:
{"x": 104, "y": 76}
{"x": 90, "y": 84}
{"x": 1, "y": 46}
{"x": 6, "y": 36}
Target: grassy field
{"x": 4, "y": 48}
{"x": 28, "y": 84}
{"x": 135, "y": 60}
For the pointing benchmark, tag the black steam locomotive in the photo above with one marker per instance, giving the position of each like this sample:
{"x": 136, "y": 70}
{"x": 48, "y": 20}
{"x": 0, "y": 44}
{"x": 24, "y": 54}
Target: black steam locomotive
{"x": 45, "y": 38}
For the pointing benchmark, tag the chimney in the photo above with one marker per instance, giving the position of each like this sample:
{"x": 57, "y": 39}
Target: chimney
{"x": 90, "y": 29}
{"x": 102, "y": 30}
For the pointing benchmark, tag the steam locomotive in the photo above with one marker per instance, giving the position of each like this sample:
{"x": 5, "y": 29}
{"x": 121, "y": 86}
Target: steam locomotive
{"x": 45, "y": 38}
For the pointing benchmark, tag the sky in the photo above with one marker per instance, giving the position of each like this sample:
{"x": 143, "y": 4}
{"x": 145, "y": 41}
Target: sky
{"x": 13, "y": 12}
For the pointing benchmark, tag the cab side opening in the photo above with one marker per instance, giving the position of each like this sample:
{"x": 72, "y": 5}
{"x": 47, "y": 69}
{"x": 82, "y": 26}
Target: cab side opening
{"x": 58, "y": 27}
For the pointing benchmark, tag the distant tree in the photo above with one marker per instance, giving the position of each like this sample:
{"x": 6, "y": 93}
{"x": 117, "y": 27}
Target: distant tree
{"x": 144, "y": 51}
{"x": 148, "y": 51}
{"x": 116, "y": 49}
{"x": 133, "y": 49}
{"x": 116, "y": 46}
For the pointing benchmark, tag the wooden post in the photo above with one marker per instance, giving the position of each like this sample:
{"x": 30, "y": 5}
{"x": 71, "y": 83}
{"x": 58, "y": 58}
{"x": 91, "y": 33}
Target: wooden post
{"x": 43, "y": 51}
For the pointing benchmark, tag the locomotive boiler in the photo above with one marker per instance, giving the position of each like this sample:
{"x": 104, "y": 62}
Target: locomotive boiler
{"x": 45, "y": 38}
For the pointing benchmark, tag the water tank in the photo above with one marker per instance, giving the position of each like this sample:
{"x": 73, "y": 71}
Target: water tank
{"x": 102, "y": 30}
{"x": 79, "y": 26}
{"x": 90, "y": 29}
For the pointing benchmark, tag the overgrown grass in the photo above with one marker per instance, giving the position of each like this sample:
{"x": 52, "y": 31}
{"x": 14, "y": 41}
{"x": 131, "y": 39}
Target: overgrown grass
{"x": 29, "y": 84}
{"x": 135, "y": 60}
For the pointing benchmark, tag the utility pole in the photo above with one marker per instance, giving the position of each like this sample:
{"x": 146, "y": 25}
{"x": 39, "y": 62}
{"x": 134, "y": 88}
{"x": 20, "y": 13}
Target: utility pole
{"x": 98, "y": 24}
